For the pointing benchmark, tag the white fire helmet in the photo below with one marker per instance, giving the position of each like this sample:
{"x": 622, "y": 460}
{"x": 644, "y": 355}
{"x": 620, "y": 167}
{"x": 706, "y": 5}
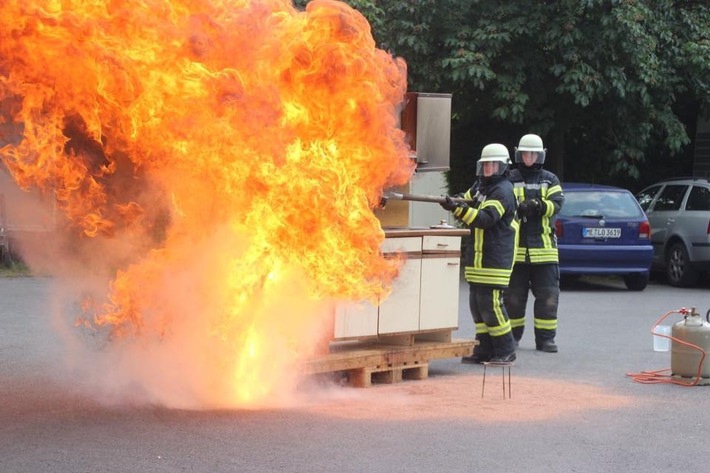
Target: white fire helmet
{"x": 496, "y": 153}
{"x": 532, "y": 143}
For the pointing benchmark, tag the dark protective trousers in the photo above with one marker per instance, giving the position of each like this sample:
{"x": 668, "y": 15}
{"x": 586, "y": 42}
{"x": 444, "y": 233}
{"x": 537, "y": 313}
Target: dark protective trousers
{"x": 543, "y": 280}
{"x": 492, "y": 325}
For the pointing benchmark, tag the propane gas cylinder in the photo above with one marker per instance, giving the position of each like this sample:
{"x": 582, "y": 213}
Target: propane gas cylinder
{"x": 685, "y": 360}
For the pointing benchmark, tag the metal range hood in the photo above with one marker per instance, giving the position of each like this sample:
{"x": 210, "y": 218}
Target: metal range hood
{"x": 426, "y": 120}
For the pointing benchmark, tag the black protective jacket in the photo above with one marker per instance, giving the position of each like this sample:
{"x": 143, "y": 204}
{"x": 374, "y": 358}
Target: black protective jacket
{"x": 537, "y": 241}
{"x": 489, "y": 256}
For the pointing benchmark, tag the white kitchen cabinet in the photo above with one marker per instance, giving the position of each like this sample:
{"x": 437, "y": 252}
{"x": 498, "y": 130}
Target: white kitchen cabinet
{"x": 356, "y": 320}
{"x": 424, "y": 295}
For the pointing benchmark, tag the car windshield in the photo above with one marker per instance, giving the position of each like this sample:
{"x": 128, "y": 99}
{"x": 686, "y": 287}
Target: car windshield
{"x": 595, "y": 203}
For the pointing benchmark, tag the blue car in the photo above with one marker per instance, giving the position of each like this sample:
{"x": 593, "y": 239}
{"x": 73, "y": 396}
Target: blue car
{"x": 602, "y": 230}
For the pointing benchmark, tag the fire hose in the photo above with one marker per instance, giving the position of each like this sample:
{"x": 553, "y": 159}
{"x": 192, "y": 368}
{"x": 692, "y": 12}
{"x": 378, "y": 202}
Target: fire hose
{"x": 387, "y": 196}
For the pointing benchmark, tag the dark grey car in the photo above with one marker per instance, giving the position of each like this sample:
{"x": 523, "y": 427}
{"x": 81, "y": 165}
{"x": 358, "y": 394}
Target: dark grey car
{"x": 679, "y": 213}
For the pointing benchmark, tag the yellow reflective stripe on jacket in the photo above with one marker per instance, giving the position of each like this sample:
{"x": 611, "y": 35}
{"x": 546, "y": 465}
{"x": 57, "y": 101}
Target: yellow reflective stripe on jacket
{"x": 546, "y": 235}
{"x": 496, "y": 205}
{"x": 516, "y": 241}
{"x": 537, "y": 255}
{"x": 543, "y": 252}
{"x": 478, "y": 247}
{"x": 549, "y": 205}
{"x": 489, "y": 276}
{"x": 520, "y": 253}
{"x": 469, "y": 216}
{"x": 547, "y": 231}
{"x": 553, "y": 190}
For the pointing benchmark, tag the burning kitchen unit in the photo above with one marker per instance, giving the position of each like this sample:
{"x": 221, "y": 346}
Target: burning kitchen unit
{"x": 415, "y": 322}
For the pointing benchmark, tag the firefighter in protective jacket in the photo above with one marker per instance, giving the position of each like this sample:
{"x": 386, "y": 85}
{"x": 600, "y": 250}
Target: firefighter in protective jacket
{"x": 490, "y": 253}
{"x": 540, "y": 198}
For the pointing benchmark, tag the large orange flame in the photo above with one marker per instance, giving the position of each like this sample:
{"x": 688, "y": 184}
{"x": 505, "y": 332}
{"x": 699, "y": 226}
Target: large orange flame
{"x": 220, "y": 160}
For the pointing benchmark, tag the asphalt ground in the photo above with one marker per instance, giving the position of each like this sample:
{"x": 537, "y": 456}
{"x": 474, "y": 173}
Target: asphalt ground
{"x": 574, "y": 411}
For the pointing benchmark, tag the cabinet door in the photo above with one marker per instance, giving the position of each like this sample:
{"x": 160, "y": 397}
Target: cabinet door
{"x": 440, "y": 293}
{"x": 354, "y": 319}
{"x": 400, "y": 311}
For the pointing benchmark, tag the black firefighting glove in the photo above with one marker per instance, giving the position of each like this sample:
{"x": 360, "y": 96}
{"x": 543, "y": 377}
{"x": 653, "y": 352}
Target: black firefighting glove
{"x": 449, "y": 204}
{"x": 534, "y": 208}
{"x": 523, "y": 209}
{"x": 529, "y": 208}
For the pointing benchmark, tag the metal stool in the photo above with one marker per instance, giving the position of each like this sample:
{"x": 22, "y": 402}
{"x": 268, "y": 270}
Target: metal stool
{"x": 503, "y": 365}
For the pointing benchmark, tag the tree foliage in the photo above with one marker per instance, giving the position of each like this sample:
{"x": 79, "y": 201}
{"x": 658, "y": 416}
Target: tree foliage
{"x": 613, "y": 86}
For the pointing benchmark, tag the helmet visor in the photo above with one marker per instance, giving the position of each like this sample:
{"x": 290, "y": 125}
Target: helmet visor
{"x": 490, "y": 168}
{"x": 530, "y": 158}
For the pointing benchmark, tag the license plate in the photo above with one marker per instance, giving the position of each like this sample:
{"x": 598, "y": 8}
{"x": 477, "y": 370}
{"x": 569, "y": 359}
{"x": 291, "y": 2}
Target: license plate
{"x": 594, "y": 232}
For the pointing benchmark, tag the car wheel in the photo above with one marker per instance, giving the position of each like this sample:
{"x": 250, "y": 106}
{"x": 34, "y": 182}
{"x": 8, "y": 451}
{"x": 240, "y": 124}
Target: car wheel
{"x": 636, "y": 281}
{"x": 678, "y": 268}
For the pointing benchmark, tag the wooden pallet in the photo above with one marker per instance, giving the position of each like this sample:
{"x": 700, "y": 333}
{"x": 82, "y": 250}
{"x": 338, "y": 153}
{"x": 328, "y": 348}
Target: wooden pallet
{"x": 368, "y": 362}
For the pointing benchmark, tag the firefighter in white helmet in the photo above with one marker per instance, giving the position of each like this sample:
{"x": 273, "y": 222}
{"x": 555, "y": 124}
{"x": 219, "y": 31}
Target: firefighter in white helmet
{"x": 489, "y": 253}
{"x": 540, "y": 198}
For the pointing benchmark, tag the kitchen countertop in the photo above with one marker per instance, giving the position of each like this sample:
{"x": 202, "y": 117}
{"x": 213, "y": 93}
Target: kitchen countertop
{"x": 424, "y": 231}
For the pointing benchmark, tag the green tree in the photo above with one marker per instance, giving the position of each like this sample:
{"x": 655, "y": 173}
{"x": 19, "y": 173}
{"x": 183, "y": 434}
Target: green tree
{"x": 613, "y": 86}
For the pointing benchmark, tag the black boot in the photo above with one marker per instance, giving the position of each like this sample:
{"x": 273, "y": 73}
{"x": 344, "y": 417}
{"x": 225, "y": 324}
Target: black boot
{"x": 504, "y": 359}
{"x": 482, "y": 352}
{"x": 475, "y": 359}
{"x": 547, "y": 346}
{"x": 545, "y": 340}
{"x": 504, "y": 348}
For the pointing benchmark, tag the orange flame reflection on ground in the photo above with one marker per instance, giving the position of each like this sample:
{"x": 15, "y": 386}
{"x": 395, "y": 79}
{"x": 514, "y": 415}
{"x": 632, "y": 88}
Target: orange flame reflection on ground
{"x": 220, "y": 159}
